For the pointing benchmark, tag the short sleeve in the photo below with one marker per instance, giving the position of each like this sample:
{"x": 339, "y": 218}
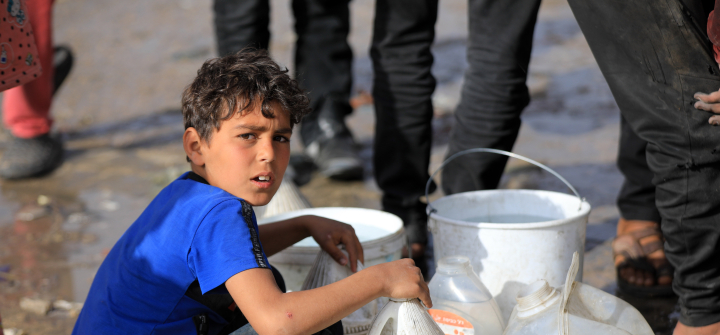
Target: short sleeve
{"x": 226, "y": 243}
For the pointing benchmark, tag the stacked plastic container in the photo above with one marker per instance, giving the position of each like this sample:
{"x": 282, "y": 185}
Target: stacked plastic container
{"x": 462, "y": 305}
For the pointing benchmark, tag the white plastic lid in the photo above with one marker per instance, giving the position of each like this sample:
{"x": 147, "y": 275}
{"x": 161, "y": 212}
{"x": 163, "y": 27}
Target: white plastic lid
{"x": 454, "y": 264}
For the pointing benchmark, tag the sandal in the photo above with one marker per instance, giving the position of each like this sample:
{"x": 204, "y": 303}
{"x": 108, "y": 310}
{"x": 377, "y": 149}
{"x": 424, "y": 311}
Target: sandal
{"x": 629, "y": 246}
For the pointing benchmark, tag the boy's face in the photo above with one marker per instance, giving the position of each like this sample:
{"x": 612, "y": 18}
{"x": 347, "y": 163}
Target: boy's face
{"x": 247, "y": 156}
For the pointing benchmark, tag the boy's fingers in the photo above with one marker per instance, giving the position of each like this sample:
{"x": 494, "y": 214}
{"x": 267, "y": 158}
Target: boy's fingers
{"x": 332, "y": 249}
{"x": 357, "y": 247}
{"x": 351, "y": 246}
{"x": 425, "y": 295}
{"x": 361, "y": 251}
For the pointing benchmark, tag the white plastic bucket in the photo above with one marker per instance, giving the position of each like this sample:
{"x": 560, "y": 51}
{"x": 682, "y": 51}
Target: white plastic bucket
{"x": 381, "y": 235}
{"x": 508, "y": 256}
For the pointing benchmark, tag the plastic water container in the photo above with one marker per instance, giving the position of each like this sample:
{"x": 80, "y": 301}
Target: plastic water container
{"x": 404, "y": 317}
{"x": 462, "y": 305}
{"x": 578, "y": 310}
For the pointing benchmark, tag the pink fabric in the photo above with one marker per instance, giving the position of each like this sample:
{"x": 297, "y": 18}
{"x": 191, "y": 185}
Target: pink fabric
{"x": 713, "y": 31}
{"x": 19, "y": 62}
{"x": 26, "y": 109}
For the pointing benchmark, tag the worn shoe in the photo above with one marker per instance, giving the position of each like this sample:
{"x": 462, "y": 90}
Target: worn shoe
{"x": 336, "y": 158}
{"x": 30, "y": 157}
{"x": 640, "y": 263}
{"x": 62, "y": 63}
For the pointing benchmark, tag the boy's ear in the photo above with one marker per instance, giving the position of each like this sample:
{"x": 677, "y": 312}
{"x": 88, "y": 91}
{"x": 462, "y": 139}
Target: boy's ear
{"x": 193, "y": 146}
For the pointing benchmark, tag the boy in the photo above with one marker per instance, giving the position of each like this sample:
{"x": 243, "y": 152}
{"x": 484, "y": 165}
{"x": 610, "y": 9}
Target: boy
{"x": 198, "y": 240}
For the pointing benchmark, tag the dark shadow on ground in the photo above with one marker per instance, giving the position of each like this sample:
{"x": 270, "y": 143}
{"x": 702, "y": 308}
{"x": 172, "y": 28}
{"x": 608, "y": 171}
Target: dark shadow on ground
{"x": 661, "y": 313}
{"x": 141, "y": 132}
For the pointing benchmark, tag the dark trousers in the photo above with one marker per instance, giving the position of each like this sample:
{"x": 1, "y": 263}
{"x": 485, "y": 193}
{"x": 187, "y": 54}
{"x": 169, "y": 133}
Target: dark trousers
{"x": 488, "y": 115}
{"x": 323, "y": 58}
{"x": 494, "y": 95}
{"x": 636, "y": 200}
{"x": 655, "y": 55}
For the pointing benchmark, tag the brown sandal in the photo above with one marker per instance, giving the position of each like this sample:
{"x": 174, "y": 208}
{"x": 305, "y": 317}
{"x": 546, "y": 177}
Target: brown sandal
{"x": 628, "y": 245}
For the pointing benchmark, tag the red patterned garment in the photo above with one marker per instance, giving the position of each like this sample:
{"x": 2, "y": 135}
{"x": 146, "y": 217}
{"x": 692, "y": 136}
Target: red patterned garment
{"x": 18, "y": 53}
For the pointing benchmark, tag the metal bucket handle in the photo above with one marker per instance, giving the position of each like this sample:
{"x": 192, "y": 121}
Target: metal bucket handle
{"x": 500, "y": 152}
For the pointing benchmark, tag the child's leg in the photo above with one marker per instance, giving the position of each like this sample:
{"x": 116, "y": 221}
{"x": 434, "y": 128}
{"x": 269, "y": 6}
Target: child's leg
{"x": 26, "y": 108}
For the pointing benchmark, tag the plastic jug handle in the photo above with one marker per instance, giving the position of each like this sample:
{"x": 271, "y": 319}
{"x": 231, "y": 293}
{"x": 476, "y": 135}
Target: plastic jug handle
{"x": 563, "y": 322}
{"x": 430, "y": 208}
{"x": 389, "y": 311}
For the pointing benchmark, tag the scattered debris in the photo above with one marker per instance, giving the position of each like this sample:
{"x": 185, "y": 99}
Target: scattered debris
{"x": 4, "y": 273}
{"x": 109, "y": 205}
{"x": 43, "y": 200}
{"x": 32, "y": 212}
{"x": 37, "y": 306}
{"x": 73, "y": 308}
{"x": 62, "y": 308}
{"x": 77, "y": 220}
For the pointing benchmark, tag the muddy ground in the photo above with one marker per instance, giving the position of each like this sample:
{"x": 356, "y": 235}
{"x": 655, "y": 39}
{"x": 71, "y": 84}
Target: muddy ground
{"x": 119, "y": 115}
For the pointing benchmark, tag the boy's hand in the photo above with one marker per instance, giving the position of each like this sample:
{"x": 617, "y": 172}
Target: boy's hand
{"x": 403, "y": 280}
{"x": 710, "y": 103}
{"x": 329, "y": 233}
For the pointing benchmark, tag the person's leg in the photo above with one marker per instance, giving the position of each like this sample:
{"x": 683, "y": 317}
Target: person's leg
{"x": 636, "y": 200}
{"x": 323, "y": 67}
{"x": 241, "y": 23}
{"x": 494, "y": 93}
{"x": 653, "y": 75}
{"x": 639, "y": 217}
{"x": 402, "y": 88}
{"x": 26, "y": 109}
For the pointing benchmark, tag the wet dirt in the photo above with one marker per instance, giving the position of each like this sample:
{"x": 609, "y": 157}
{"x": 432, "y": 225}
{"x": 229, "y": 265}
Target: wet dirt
{"x": 118, "y": 114}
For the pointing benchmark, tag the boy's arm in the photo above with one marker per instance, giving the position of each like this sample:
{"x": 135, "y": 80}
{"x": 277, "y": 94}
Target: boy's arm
{"x": 270, "y": 311}
{"x": 328, "y": 233}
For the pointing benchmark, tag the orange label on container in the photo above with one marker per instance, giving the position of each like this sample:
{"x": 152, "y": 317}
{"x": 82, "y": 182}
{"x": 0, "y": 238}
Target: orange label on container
{"x": 451, "y": 324}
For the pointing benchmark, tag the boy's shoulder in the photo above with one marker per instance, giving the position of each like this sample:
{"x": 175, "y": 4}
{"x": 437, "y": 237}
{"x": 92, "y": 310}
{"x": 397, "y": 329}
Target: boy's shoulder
{"x": 190, "y": 187}
{"x": 190, "y": 196}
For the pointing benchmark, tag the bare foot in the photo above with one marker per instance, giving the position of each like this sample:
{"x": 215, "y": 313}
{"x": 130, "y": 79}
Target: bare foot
{"x": 713, "y": 329}
{"x": 656, "y": 258}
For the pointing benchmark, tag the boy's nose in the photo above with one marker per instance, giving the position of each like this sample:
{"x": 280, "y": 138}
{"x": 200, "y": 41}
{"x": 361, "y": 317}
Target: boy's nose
{"x": 266, "y": 152}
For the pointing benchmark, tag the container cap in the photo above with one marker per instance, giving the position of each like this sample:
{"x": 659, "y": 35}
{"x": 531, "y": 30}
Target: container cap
{"x": 535, "y": 298}
{"x": 454, "y": 264}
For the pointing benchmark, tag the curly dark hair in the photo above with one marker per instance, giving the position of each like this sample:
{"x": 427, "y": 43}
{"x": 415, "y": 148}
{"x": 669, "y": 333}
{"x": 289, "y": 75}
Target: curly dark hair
{"x": 235, "y": 84}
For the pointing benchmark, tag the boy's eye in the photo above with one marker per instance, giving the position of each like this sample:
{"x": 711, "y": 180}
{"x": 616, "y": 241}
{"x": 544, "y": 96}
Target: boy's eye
{"x": 282, "y": 139}
{"x": 248, "y": 136}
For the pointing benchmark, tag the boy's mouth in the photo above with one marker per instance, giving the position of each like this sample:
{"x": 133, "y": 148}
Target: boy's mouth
{"x": 262, "y": 181}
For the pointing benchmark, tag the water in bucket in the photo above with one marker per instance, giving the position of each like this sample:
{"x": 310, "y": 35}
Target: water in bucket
{"x": 461, "y": 303}
{"x": 509, "y": 218}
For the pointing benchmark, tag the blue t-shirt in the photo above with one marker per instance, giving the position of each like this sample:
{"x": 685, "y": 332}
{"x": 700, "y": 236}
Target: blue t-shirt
{"x": 191, "y": 235}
